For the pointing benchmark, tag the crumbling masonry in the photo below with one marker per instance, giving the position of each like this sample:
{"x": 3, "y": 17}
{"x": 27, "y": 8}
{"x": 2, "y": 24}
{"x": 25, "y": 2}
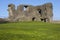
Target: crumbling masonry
{"x": 30, "y": 13}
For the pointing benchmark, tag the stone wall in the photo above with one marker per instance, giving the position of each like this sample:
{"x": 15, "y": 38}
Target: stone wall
{"x": 31, "y": 13}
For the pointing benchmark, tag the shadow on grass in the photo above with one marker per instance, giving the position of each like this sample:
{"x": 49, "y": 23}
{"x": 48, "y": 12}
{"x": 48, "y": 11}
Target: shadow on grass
{"x": 4, "y": 22}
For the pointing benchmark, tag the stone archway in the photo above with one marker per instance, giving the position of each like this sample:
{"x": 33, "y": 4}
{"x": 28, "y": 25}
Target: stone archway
{"x": 44, "y": 20}
{"x": 33, "y": 19}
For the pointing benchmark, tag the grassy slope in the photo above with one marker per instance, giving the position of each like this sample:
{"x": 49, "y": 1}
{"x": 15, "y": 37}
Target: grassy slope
{"x": 29, "y": 31}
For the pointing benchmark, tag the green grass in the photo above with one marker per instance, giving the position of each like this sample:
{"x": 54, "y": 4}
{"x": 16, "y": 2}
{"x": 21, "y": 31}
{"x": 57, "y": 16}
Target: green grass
{"x": 29, "y": 31}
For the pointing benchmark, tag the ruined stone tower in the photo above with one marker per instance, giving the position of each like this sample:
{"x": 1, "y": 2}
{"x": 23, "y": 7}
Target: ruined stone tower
{"x": 31, "y": 13}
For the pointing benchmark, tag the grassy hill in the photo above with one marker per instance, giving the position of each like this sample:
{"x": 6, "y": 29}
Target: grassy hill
{"x": 29, "y": 31}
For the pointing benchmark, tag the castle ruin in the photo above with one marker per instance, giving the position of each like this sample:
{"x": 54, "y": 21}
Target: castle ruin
{"x": 30, "y": 13}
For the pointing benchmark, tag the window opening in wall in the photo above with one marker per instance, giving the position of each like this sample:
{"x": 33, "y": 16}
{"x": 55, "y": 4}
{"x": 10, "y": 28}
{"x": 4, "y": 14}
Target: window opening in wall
{"x": 9, "y": 5}
{"x": 39, "y": 11}
{"x": 25, "y": 8}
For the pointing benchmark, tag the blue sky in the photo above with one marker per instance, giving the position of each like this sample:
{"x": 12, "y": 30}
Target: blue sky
{"x": 4, "y": 6}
